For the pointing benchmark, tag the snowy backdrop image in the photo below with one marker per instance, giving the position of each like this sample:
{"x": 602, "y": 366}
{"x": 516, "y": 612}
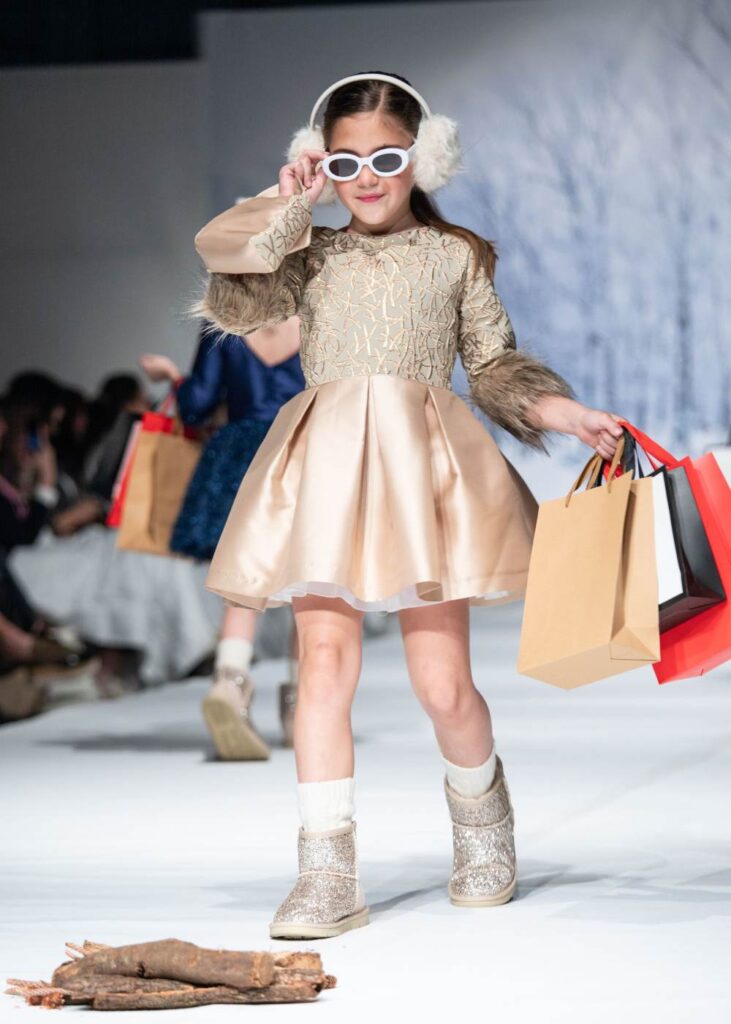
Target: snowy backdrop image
{"x": 604, "y": 176}
{"x": 597, "y": 153}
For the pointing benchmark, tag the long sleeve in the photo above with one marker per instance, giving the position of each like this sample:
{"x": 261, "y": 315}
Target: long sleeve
{"x": 256, "y": 255}
{"x": 504, "y": 382}
{"x": 203, "y": 389}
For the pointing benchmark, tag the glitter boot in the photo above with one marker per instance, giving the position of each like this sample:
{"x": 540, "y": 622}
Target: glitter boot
{"x": 327, "y": 899}
{"x": 484, "y": 851}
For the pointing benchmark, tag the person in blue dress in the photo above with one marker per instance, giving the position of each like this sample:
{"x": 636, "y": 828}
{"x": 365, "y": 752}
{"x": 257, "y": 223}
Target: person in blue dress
{"x": 253, "y": 377}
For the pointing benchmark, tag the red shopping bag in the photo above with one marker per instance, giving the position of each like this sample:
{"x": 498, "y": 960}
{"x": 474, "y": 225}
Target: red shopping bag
{"x": 159, "y": 422}
{"x": 119, "y": 491}
{"x": 703, "y": 642}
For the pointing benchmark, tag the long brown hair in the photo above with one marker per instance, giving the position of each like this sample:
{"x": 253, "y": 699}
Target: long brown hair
{"x": 372, "y": 94}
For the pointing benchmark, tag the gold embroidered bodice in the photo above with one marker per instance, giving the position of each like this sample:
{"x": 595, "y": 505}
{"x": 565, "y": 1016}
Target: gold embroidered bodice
{"x": 402, "y": 304}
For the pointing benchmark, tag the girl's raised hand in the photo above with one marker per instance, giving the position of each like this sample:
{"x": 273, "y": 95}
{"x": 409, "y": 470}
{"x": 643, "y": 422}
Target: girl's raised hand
{"x": 600, "y": 430}
{"x": 303, "y": 171}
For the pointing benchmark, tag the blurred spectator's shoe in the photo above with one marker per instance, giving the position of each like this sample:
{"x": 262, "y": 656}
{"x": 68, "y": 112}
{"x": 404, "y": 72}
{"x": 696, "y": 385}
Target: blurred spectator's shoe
{"x": 21, "y": 695}
{"x": 110, "y": 686}
{"x": 227, "y": 713}
{"x": 59, "y": 657}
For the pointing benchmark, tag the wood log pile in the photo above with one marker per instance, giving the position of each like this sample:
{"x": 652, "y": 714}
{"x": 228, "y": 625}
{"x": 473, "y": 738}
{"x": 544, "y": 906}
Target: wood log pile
{"x": 171, "y": 974}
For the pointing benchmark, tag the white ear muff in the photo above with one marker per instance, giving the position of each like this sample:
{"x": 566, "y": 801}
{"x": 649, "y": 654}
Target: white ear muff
{"x": 311, "y": 138}
{"x": 437, "y": 152}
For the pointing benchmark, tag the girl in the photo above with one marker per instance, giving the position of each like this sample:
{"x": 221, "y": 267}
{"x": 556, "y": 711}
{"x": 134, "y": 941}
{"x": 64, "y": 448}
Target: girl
{"x": 255, "y": 376}
{"x": 377, "y": 487}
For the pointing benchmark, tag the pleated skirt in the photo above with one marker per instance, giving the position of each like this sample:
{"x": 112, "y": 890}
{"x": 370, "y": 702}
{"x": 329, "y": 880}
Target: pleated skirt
{"x": 383, "y": 491}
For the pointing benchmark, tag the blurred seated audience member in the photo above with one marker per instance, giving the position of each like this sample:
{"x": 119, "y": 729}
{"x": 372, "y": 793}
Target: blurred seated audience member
{"x": 40, "y": 390}
{"x": 71, "y": 439}
{"x": 28, "y": 472}
{"x": 122, "y": 400}
{"x": 26, "y": 638}
{"x": 110, "y": 418}
{"x": 122, "y": 601}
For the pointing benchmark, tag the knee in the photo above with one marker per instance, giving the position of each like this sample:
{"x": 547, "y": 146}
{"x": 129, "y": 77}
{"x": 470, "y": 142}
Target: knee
{"x": 325, "y": 668}
{"x": 446, "y": 697}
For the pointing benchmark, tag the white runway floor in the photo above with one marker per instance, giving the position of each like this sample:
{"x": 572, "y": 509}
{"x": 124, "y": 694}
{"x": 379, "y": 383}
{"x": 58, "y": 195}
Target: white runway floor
{"x": 119, "y": 827}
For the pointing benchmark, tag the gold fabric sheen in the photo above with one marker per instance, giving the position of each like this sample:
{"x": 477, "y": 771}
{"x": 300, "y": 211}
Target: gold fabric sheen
{"x": 376, "y": 483}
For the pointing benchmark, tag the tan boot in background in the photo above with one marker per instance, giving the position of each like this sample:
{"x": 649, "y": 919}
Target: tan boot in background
{"x": 227, "y": 713}
{"x": 287, "y": 706}
{"x": 327, "y": 899}
{"x": 484, "y": 873}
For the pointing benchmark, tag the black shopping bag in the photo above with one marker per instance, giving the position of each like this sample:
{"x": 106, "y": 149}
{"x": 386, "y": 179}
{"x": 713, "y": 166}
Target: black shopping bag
{"x": 688, "y": 579}
{"x": 700, "y": 586}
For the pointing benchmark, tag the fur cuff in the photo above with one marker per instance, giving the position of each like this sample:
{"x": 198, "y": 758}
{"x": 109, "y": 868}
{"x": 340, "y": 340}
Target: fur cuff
{"x": 507, "y": 389}
{"x": 242, "y": 303}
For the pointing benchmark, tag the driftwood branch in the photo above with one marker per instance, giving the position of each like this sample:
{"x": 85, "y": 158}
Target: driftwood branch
{"x": 171, "y": 974}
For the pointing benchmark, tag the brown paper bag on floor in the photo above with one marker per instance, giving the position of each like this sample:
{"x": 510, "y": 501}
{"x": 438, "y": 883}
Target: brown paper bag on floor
{"x": 591, "y": 606}
{"x": 163, "y": 463}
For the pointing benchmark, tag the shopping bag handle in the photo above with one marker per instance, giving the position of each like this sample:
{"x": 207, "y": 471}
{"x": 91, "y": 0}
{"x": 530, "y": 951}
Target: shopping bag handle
{"x": 166, "y": 406}
{"x": 651, "y": 448}
{"x": 593, "y": 468}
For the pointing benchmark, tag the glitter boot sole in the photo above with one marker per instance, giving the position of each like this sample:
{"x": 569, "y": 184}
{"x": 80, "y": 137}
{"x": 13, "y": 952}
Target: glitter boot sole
{"x": 491, "y": 901}
{"x": 319, "y": 931}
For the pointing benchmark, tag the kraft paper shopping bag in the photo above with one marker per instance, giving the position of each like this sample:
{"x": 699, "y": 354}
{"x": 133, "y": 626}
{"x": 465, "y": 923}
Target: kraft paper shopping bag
{"x": 591, "y": 607}
{"x": 160, "y": 470}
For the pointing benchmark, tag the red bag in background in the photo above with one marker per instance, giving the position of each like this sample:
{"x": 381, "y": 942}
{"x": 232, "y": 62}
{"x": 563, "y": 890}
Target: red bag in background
{"x": 114, "y": 516}
{"x": 159, "y": 422}
{"x": 703, "y": 642}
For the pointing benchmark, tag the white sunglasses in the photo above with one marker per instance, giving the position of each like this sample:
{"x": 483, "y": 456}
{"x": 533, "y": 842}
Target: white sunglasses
{"x": 384, "y": 162}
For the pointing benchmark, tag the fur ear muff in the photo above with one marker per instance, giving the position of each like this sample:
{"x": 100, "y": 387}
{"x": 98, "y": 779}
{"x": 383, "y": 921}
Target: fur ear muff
{"x": 438, "y": 152}
{"x": 311, "y": 138}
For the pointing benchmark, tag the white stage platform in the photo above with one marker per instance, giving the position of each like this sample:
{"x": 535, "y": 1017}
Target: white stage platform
{"x": 118, "y": 826}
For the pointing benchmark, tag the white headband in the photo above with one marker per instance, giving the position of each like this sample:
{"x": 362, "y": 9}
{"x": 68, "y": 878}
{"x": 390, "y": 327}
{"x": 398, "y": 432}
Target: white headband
{"x": 437, "y": 151}
{"x": 369, "y": 78}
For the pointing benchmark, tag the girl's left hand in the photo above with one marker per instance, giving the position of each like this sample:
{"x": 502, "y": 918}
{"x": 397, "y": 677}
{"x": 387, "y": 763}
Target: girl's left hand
{"x": 600, "y": 430}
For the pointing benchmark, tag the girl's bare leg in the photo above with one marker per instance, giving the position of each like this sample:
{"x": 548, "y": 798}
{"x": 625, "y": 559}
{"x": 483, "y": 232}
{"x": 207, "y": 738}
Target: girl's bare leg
{"x": 327, "y": 898}
{"x": 436, "y": 641}
{"x": 329, "y": 638}
{"x": 437, "y": 647}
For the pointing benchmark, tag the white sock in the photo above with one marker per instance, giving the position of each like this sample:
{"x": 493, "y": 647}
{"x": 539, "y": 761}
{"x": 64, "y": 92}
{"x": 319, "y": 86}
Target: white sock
{"x": 472, "y": 782}
{"x": 234, "y": 652}
{"x": 294, "y": 669}
{"x": 326, "y": 805}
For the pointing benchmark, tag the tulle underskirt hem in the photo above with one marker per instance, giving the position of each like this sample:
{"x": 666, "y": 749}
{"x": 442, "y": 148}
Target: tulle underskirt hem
{"x": 421, "y": 595}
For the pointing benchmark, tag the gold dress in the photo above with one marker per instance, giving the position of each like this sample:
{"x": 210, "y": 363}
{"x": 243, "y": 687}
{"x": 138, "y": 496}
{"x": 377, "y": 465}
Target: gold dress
{"x": 375, "y": 484}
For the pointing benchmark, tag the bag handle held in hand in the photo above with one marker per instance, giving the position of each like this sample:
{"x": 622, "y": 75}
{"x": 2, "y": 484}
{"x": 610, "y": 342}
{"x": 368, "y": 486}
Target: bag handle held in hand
{"x": 651, "y": 448}
{"x": 594, "y": 467}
